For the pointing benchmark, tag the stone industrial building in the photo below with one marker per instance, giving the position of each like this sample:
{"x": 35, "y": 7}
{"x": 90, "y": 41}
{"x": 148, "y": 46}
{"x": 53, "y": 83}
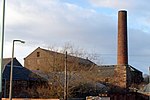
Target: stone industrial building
{"x": 51, "y": 61}
{"x": 120, "y": 75}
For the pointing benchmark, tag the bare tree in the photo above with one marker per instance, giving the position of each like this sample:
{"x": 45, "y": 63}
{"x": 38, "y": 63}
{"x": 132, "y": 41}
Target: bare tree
{"x": 79, "y": 69}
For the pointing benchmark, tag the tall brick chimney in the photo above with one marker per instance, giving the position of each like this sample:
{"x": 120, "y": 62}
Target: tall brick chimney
{"x": 121, "y": 74}
{"x": 122, "y": 56}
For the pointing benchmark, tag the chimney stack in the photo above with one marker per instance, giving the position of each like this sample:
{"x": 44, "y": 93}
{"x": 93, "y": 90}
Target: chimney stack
{"x": 122, "y": 56}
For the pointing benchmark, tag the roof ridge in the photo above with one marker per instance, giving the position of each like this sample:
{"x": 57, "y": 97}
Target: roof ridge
{"x": 64, "y": 54}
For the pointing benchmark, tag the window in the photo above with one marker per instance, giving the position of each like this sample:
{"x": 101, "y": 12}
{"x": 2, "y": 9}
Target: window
{"x": 38, "y": 54}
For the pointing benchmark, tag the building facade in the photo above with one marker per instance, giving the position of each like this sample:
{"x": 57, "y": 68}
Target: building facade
{"x": 50, "y": 61}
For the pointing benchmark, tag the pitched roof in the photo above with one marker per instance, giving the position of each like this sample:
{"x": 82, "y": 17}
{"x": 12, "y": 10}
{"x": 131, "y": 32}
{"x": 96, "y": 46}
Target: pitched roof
{"x": 81, "y": 60}
{"x": 133, "y": 69}
{"x": 70, "y": 57}
{"x": 7, "y": 61}
{"x": 19, "y": 72}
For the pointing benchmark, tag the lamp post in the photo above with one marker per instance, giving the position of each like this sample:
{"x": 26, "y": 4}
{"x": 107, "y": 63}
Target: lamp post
{"x": 1, "y": 44}
{"x": 11, "y": 70}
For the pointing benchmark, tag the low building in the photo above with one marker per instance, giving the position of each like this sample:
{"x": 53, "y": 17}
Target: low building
{"x": 23, "y": 79}
{"x": 109, "y": 75}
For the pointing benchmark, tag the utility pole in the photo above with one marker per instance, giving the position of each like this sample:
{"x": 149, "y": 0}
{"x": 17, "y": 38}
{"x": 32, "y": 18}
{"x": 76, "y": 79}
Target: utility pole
{"x": 65, "y": 83}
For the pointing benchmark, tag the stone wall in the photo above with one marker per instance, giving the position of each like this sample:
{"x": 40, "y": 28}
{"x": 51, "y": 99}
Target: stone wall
{"x": 48, "y": 61}
{"x": 120, "y": 76}
{"x": 126, "y": 75}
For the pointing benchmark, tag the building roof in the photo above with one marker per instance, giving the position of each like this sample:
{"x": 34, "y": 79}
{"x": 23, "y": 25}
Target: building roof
{"x": 69, "y": 57}
{"x": 108, "y": 70}
{"x": 81, "y": 60}
{"x": 133, "y": 69}
{"x": 7, "y": 61}
{"x": 19, "y": 72}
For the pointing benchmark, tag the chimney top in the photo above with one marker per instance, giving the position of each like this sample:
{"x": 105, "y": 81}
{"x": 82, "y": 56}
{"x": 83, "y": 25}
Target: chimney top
{"x": 122, "y": 11}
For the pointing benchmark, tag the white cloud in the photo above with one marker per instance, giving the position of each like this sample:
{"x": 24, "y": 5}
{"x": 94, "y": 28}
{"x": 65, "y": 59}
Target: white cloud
{"x": 138, "y": 10}
{"x": 48, "y": 22}
{"x": 138, "y": 5}
{"x": 52, "y": 21}
{"x": 117, "y": 4}
{"x": 45, "y": 18}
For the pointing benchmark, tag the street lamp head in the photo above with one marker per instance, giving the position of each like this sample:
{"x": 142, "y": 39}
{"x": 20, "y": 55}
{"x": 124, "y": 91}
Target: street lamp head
{"x": 19, "y": 41}
{"x": 22, "y": 41}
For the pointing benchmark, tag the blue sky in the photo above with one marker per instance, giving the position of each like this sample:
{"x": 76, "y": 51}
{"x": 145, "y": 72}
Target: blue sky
{"x": 89, "y": 24}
